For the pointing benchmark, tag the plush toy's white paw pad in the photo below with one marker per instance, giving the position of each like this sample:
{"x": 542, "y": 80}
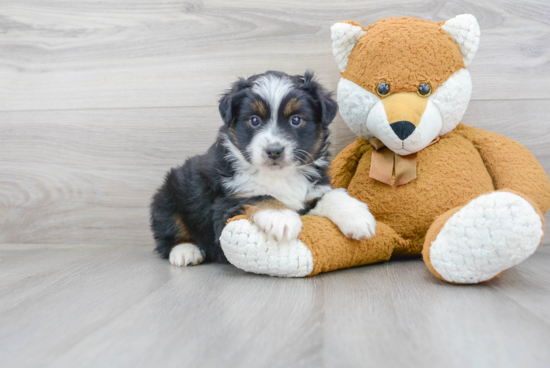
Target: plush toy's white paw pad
{"x": 489, "y": 235}
{"x": 281, "y": 225}
{"x": 186, "y": 254}
{"x": 251, "y": 250}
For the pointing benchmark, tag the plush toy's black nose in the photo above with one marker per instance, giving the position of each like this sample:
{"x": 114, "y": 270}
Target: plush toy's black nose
{"x": 274, "y": 152}
{"x": 403, "y": 129}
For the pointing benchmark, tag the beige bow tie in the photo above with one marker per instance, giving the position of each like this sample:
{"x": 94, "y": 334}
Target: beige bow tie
{"x": 384, "y": 160}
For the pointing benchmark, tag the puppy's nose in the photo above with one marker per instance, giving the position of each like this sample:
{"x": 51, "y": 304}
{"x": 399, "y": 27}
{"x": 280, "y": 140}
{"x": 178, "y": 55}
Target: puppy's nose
{"x": 274, "y": 152}
{"x": 403, "y": 129}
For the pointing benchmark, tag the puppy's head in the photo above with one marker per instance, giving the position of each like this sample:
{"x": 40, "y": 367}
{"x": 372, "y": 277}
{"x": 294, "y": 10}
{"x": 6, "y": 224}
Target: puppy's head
{"x": 274, "y": 120}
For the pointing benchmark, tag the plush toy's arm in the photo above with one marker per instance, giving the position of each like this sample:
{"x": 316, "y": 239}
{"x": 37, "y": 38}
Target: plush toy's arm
{"x": 345, "y": 163}
{"x": 510, "y": 165}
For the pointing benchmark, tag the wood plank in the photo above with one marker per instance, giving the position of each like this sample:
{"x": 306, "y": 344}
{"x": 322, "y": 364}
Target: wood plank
{"x": 44, "y": 261}
{"x": 528, "y": 284}
{"x": 82, "y": 175}
{"x": 60, "y": 54}
{"x": 87, "y": 176}
{"x": 123, "y": 306}
{"x": 397, "y": 314}
{"x": 212, "y": 315}
{"x": 61, "y": 306}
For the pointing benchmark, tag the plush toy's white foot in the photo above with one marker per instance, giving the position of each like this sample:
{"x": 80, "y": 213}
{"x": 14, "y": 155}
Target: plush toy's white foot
{"x": 250, "y": 249}
{"x": 489, "y": 235}
{"x": 186, "y": 254}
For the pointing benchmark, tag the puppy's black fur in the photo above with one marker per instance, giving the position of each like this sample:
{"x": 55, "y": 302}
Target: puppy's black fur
{"x": 195, "y": 202}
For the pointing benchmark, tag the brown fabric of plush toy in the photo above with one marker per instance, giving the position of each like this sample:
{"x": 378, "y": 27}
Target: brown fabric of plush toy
{"x": 442, "y": 169}
{"x": 500, "y": 154}
{"x": 341, "y": 252}
{"x": 431, "y": 54}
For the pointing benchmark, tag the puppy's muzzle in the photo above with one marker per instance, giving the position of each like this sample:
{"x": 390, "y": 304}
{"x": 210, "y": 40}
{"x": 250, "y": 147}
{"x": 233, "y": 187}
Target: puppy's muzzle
{"x": 275, "y": 152}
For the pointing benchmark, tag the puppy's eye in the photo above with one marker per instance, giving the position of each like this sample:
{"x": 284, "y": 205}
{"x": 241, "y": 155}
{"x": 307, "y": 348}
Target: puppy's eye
{"x": 383, "y": 89}
{"x": 296, "y": 121}
{"x": 424, "y": 90}
{"x": 254, "y": 121}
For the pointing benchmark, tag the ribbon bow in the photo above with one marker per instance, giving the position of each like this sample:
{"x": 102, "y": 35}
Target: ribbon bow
{"x": 384, "y": 160}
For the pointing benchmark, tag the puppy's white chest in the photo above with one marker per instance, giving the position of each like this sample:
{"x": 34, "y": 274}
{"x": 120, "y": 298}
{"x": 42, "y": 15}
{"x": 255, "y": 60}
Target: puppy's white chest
{"x": 288, "y": 186}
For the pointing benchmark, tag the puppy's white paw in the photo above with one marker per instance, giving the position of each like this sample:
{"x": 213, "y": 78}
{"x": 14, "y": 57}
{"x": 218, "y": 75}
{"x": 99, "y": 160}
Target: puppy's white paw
{"x": 352, "y": 216}
{"x": 186, "y": 254}
{"x": 358, "y": 224}
{"x": 281, "y": 225}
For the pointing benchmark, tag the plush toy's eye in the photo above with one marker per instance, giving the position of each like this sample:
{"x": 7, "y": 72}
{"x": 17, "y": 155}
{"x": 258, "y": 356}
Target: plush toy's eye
{"x": 296, "y": 121}
{"x": 383, "y": 89}
{"x": 254, "y": 121}
{"x": 424, "y": 90}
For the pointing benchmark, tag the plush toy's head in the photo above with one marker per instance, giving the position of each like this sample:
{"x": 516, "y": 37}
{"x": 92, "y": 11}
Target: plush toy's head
{"x": 404, "y": 80}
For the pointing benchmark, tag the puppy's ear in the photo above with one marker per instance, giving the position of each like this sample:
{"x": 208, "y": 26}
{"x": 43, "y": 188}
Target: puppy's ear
{"x": 230, "y": 101}
{"x": 329, "y": 107}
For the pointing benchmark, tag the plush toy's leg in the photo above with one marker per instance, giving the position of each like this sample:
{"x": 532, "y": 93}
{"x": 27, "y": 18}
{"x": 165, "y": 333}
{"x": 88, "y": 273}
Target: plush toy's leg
{"x": 321, "y": 247}
{"x": 477, "y": 242}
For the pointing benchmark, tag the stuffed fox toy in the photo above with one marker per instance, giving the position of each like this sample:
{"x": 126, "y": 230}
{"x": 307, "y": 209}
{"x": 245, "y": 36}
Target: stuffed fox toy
{"x": 470, "y": 202}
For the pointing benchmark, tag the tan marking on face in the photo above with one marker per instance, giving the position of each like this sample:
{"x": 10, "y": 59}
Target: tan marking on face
{"x": 405, "y": 106}
{"x": 317, "y": 145}
{"x": 268, "y": 204}
{"x": 292, "y": 105}
{"x": 231, "y": 132}
{"x": 404, "y": 53}
{"x": 259, "y": 108}
{"x": 183, "y": 233}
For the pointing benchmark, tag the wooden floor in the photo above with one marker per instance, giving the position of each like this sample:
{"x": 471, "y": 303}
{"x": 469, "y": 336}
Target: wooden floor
{"x": 98, "y": 99}
{"x": 121, "y": 306}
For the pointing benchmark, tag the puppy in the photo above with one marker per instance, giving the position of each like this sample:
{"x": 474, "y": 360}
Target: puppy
{"x": 270, "y": 162}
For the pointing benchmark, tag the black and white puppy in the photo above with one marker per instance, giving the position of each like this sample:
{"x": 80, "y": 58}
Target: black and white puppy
{"x": 270, "y": 162}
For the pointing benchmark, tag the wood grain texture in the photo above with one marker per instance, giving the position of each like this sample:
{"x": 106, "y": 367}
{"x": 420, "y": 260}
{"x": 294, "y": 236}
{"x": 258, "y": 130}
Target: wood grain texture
{"x": 62, "y": 54}
{"x": 87, "y": 176}
{"x": 121, "y": 306}
{"x": 99, "y": 99}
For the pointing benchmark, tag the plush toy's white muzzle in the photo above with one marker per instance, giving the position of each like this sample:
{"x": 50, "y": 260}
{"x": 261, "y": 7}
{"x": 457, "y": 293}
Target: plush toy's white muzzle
{"x": 410, "y": 139}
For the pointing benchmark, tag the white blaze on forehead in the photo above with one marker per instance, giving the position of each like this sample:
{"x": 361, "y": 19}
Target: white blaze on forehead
{"x": 272, "y": 89}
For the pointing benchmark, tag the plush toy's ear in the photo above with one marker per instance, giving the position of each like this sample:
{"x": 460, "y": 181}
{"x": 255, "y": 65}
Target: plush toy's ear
{"x": 344, "y": 37}
{"x": 465, "y": 32}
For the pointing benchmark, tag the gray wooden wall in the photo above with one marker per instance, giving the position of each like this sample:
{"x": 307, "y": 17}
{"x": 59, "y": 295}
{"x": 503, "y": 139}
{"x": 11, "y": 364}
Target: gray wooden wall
{"x": 99, "y": 98}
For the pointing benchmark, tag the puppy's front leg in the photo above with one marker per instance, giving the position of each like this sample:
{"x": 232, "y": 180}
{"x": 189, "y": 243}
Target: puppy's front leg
{"x": 275, "y": 219}
{"x": 272, "y": 216}
{"x": 352, "y": 216}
